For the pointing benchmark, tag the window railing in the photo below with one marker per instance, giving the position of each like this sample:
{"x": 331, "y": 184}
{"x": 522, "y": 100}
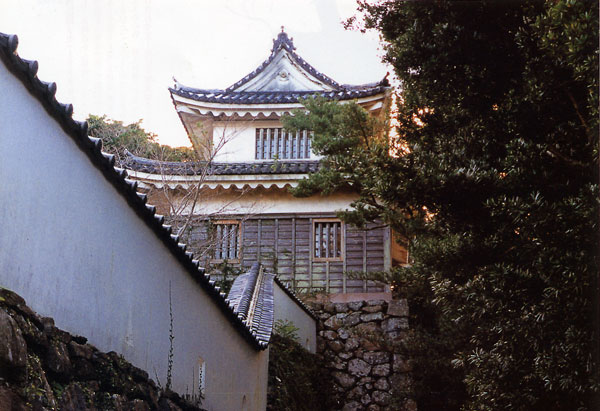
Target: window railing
{"x": 277, "y": 143}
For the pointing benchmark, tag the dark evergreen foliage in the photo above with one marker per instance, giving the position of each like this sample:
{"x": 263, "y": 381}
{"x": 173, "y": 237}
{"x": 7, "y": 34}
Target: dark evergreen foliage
{"x": 495, "y": 184}
{"x": 296, "y": 380}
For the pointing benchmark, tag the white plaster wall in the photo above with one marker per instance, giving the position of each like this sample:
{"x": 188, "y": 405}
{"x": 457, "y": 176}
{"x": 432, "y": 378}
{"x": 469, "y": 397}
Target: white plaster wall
{"x": 73, "y": 248}
{"x": 264, "y": 201}
{"x": 287, "y": 309}
{"x": 235, "y": 141}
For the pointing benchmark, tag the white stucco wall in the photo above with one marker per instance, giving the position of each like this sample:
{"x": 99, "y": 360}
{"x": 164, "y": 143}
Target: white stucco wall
{"x": 287, "y": 309}
{"x": 266, "y": 201}
{"x": 73, "y": 248}
{"x": 235, "y": 141}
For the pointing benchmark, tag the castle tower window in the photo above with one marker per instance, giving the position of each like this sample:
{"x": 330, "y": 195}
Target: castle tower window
{"x": 226, "y": 237}
{"x": 328, "y": 240}
{"x": 277, "y": 143}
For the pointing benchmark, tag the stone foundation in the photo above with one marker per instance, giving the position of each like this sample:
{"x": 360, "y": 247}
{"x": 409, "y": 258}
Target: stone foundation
{"x": 360, "y": 343}
{"x": 43, "y": 367}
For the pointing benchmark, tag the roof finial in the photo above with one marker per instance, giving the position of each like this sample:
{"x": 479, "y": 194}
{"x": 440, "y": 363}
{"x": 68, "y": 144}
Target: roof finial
{"x": 283, "y": 40}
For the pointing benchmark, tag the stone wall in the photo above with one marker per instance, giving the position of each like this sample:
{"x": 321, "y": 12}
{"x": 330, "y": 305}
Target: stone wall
{"x": 360, "y": 343}
{"x": 43, "y": 367}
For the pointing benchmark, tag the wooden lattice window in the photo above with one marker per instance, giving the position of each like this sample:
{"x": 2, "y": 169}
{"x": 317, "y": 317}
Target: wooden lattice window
{"x": 226, "y": 237}
{"x": 277, "y": 143}
{"x": 328, "y": 240}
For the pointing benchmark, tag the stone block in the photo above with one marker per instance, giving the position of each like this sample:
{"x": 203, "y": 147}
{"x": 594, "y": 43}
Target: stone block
{"x": 343, "y": 379}
{"x": 381, "y": 398}
{"x": 343, "y": 333}
{"x": 335, "y": 321}
{"x": 13, "y": 349}
{"x": 345, "y": 355}
{"x": 335, "y": 345}
{"x": 58, "y": 360}
{"x": 352, "y": 319}
{"x": 330, "y": 335}
{"x": 355, "y": 305}
{"x": 371, "y": 308}
{"x": 340, "y": 307}
{"x": 367, "y": 328}
{"x": 366, "y": 399}
{"x": 371, "y": 342}
{"x": 33, "y": 334}
{"x": 352, "y": 344}
{"x": 381, "y": 370}
{"x": 382, "y": 384}
{"x": 329, "y": 308}
{"x": 378, "y": 316}
{"x": 359, "y": 367}
{"x": 398, "y": 308}
{"x": 378, "y": 357}
{"x": 81, "y": 350}
{"x": 375, "y": 302}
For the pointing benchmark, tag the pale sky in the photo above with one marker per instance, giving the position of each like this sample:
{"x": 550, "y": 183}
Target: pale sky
{"x": 118, "y": 57}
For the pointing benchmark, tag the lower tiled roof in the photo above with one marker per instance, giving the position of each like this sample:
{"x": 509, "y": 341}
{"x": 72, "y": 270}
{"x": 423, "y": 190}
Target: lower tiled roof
{"x": 146, "y": 165}
{"x": 251, "y": 296}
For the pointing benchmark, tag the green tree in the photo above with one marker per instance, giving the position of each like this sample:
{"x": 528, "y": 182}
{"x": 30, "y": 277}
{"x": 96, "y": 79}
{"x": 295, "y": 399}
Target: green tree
{"x": 117, "y": 138}
{"x": 494, "y": 181}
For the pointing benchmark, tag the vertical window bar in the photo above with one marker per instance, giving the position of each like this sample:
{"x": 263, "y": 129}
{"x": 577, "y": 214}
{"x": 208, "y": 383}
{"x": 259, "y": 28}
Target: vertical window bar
{"x": 281, "y": 142}
{"x": 327, "y": 237}
{"x": 268, "y": 145}
{"x": 275, "y": 142}
{"x": 225, "y": 240}
{"x": 232, "y": 240}
{"x": 335, "y": 240}
{"x": 284, "y": 142}
{"x": 257, "y": 147}
{"x": 320, "y": 239}
{"x": 297, "y": 144}
{"x": 317, "y": 241}
{"x": 262, "y": 144}
{"x": 309, "y": 144}
{"x": 218, "y": 241}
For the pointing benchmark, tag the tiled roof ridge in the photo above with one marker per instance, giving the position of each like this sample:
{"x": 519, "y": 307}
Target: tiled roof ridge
{"x": 26, "y": 72}
{"x": 294, "y": 297}
{"x": 282, "y": 166}
{"x": 283, "y": 41}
